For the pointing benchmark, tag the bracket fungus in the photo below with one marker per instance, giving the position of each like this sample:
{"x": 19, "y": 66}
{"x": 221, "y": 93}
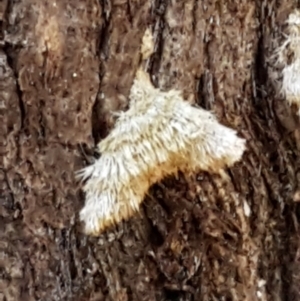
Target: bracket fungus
{"x": 158, "y": 136}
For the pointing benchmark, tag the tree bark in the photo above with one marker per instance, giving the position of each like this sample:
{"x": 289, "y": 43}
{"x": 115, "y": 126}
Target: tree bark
{"x": 64, "y": 67}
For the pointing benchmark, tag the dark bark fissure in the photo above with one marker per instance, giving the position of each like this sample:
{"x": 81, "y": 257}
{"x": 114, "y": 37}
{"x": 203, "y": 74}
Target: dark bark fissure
{"x": 10, "y": 54}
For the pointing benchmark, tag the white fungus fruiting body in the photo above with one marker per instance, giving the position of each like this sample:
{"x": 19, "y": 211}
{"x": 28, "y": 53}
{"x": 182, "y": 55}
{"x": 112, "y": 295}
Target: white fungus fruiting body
{"x": 159, "y": 135}
{"x": 291, "y": 83}
{"x": 288, "y": 54}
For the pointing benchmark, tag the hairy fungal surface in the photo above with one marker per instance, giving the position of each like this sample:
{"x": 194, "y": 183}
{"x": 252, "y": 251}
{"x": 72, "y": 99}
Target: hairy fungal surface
{"x": 158, "y": 136}
{"x": 288, "y": 56}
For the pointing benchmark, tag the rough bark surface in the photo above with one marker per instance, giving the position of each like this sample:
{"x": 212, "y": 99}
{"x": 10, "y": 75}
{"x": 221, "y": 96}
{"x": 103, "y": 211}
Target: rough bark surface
{"x": 64, "y": 66}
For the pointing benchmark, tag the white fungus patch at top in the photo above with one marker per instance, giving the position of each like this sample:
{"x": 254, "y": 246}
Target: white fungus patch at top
{"x": 288, "y": 55}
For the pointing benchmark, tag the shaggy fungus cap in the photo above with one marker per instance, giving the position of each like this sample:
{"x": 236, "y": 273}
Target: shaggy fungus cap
{"x": 158, "y": 136}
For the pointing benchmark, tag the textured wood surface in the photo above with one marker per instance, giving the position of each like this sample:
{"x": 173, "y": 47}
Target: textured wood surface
{"x": 64, "y": 66}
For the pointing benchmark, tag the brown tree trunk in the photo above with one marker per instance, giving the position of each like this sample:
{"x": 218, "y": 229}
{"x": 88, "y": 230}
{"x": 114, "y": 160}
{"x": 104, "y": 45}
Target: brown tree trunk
{"x": 64, "y": 66}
